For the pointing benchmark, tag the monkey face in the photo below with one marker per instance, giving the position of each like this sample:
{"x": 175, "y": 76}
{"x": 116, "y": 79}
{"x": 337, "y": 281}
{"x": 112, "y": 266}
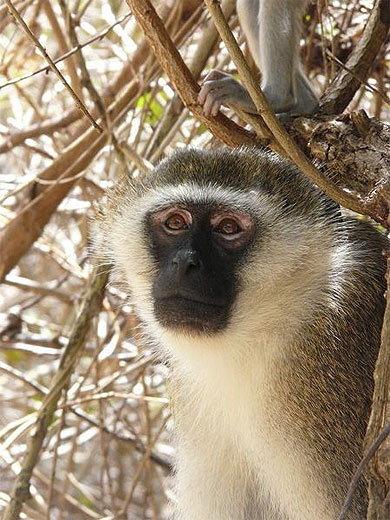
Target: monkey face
{"x": 197, "y": 249}
{"x": 219, "y": 243}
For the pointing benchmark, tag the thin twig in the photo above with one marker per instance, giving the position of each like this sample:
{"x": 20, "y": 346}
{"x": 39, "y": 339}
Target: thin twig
{"x": 63, "y": 47}
{"x": 31, "y": 285}
{"x": 141, "y": 466}
{"x": 369, "y": 87}
{"x": 378, "y": 479}
{"x": 90, "y": 306}
{"x": 361, "y": 469}
{"x": 51, "y": 63}
{"x": 70, "y": 53}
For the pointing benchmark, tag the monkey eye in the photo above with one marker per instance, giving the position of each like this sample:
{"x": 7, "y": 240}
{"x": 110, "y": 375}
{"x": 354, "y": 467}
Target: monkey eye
{"x": 176, "y": 222}
{"x": 227, "y": 226}
{"x": 233, "y": 227}
{"x": 173, "y": 220}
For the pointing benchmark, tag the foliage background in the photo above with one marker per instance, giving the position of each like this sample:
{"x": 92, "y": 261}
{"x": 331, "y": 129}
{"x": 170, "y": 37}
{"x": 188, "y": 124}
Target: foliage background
{"x": 96, "y": 459}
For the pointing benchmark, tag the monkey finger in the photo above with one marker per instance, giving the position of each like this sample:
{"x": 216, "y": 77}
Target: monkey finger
{"x": 212, "y": 103}
{"x": 207, "y": 87}
{"x": 210, "y": 86}
{"x": 217, "y": 105}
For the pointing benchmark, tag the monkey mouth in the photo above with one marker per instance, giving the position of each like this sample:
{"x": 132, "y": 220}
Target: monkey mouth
{"x": 185, "y": 295}
{"x": 191, "y": 315}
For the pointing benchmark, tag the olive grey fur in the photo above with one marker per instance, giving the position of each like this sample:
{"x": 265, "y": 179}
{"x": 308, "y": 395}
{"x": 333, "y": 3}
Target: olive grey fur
{"x": 271, "y": 394}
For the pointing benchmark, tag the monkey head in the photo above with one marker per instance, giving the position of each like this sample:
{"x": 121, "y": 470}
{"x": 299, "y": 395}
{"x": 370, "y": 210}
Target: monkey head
{"x": 207, "y": 234}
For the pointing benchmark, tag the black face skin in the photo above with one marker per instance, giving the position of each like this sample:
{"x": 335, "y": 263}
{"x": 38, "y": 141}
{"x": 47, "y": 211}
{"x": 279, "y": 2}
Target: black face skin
{"x": 197, "y": 250}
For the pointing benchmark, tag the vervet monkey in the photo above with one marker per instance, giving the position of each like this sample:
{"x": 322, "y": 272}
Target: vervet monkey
{"x": 267, "y": 304}
{"x": 273, "y": 30}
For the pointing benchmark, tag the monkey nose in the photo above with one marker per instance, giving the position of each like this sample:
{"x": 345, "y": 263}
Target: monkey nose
{"x": 186, "y": 260}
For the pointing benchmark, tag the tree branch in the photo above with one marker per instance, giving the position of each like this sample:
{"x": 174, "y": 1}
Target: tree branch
{"x": 361, "y": 469}
{"x": 173, "y": 65}
{"x": 51, "y": 63}
{"x": 344, "y": 86}
{"x": 90, "y": 306}
{"x": 378, "y": 473}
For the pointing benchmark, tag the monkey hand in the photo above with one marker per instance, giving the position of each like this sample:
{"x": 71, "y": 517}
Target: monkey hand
{"x": 219, "y": 89}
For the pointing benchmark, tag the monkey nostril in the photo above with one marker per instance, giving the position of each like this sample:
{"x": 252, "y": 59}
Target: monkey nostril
{"x": 194, "y": 258}
{"x": 187, "y": 259}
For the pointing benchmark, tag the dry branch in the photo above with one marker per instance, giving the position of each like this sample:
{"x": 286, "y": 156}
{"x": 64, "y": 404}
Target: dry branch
{"x": 355, "y": 151}
{"x": 173, "y": 65}
{"x": 67, "y": 54}
{"x": 89, "y": 308}
{"x": 51, "y": 63}
{"x": 48, "y": 127}
{"x": 63, "y": 47}
{"x": 86, "y": 80}
{"x": 345, "y": 84}
{"x": 361, "y": 469}
{"x": 379, "y": 473}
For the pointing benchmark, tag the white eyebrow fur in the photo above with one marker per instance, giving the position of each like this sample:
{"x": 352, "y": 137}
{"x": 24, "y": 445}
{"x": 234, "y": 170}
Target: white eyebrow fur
{"x": 188, "y": 193}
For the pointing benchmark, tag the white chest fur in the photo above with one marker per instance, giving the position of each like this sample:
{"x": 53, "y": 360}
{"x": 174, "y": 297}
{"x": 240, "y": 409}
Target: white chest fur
{"x": 231, "y": 456}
